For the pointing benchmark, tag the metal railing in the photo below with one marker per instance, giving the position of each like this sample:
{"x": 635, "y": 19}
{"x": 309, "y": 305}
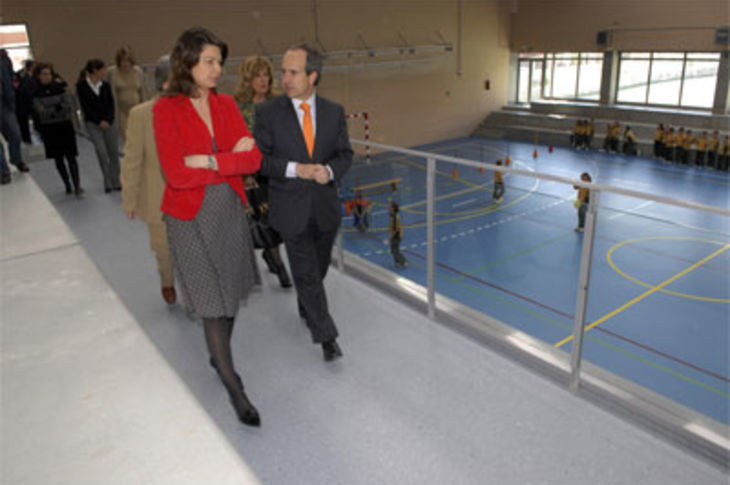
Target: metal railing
{"x": 715, "y": 442}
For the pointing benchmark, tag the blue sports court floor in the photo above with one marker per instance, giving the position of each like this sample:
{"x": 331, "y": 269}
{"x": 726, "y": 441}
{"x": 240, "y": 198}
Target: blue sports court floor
{"x": 659, "y": 297}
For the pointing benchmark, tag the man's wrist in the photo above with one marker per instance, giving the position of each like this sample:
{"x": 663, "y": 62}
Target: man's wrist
{"x": 212, "y": 165}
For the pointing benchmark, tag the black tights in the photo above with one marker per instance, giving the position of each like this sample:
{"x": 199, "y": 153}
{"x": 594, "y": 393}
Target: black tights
{"x": 218, "y": 333}
{"x": 73, "y": 168}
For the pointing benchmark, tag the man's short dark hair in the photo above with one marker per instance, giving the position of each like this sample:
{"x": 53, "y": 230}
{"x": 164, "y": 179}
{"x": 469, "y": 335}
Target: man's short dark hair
{"x": 314, "y": 60}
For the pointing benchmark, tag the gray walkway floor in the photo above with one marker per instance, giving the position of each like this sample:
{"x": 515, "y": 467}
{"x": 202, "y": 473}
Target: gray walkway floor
{"x": 411, "y": 402}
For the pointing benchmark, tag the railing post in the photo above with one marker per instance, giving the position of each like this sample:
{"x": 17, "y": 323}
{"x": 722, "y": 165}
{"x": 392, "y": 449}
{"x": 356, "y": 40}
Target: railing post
{"x": 340, "y": 252}
{"x": 581, "y": 303}
{"x": 430, "y": 244}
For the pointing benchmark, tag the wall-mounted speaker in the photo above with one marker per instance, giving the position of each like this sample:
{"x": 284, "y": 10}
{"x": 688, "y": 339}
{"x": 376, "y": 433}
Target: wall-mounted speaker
{"x": 603, "y": 38}
{"x": 722, "y": 36}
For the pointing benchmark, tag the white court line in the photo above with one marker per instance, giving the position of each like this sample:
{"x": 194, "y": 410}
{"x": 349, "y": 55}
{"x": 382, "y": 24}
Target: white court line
{"x": 629, "y": 211}
{"x": 468, "y": 201}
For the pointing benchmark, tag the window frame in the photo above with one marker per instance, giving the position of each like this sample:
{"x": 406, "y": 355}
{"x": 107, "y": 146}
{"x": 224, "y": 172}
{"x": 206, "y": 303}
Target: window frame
{"x": 651, "y": 57}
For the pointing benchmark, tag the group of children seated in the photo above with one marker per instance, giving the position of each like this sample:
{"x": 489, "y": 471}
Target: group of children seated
{"x": 685, "y": 148}
{"x": 583, "y": 132}
{"x": 681, "y": 147}
{"x": 582, "y": 135}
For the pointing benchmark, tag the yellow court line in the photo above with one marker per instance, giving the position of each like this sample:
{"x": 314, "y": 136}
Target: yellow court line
{"x": 614, "y": 266}
{"x": 647, "y": 293}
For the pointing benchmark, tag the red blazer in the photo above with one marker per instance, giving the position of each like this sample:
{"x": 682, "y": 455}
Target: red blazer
{"x": 179, "y": 131}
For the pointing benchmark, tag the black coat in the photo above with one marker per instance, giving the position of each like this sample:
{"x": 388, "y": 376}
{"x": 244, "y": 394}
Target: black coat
{"x": 96, "y": 108}
{"x": 59, "y": 139}
{"x": 293, "y": 203}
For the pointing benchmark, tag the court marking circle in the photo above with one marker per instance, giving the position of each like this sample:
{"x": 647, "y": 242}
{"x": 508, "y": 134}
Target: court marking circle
{"x": 614, "y": 266}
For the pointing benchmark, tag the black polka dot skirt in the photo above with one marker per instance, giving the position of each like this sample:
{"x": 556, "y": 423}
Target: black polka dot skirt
{"x": 213, "y": 254}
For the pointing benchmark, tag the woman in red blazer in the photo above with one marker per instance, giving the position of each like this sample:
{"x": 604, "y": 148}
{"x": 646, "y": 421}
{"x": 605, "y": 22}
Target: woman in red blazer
{"x": 204, "y": 147}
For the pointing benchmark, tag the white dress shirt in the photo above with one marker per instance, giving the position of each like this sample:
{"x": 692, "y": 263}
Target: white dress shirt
{"x": 291, "y": 167}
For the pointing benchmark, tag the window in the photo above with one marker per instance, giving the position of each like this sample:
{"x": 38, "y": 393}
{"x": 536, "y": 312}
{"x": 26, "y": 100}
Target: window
{"x": 668, "y": 78}
{"x": 563, "y": 75}
{"x": 14, "y": 39}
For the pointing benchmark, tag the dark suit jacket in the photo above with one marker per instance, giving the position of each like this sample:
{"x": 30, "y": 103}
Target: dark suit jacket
{"x": 294, "y": 202}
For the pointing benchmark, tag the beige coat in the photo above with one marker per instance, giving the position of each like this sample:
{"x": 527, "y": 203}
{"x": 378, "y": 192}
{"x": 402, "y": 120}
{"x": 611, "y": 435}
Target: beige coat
{"x": 142, "y": 179}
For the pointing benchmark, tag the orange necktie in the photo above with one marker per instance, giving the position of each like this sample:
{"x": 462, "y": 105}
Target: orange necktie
{"x": 308, "y": 129}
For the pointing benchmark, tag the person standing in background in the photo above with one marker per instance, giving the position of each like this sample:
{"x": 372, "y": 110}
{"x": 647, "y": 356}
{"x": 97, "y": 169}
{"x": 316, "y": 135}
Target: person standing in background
{"x": 54, "y": 112}
{"x": 97, "y": 105}
{"x": 659, "y": 141}
{"x": 395, "y": 230}
{"x": 9, "y": 127}
{"x": 256, "y": 85}
{"x": 582, "y": 200}
{"x": 498, "y": 193}
{"x": 27, "y": 85}
{"x": 126, "y": 80}
{"x": 306, "y": 152}
{"x": 712, "y": 146}
{"x": 143, "y": 183}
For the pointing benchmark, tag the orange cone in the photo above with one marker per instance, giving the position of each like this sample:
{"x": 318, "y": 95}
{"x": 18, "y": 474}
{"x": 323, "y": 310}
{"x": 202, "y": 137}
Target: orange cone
{"x": 534, "y": 154}
{"x": 550, "y": 148}
{"x": 507, "y": 161}
{"x": 454, "y": 173}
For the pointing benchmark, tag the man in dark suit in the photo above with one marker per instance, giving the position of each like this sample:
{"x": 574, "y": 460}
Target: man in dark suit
{"x": 306, "y": 152}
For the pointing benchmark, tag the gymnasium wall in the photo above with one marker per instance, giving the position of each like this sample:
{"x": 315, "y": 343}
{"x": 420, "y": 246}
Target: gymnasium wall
{"x": 638, "y": 25}
{"x": 411, "y": 98}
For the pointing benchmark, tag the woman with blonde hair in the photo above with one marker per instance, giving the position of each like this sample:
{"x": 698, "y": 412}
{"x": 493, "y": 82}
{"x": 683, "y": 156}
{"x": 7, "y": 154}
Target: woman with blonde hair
{"x": 126, "y": 79}
{"x": 256, "y": 85}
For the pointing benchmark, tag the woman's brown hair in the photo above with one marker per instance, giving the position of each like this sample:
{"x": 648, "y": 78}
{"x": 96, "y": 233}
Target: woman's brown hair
{"x": 186, "y": 55}
{"x": 249, "y": 69}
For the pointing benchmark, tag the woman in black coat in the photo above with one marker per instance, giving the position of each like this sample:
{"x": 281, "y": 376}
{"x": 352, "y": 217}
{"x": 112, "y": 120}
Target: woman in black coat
{"x": 54, "y": 111}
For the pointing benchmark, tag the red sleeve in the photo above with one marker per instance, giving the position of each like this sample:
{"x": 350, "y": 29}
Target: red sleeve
{"x": 169, "y": 149}
{"x": 239, "y": 163}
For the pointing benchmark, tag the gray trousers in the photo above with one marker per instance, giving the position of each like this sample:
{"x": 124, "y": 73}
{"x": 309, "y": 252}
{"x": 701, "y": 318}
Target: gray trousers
{"x": 106, "y": 145}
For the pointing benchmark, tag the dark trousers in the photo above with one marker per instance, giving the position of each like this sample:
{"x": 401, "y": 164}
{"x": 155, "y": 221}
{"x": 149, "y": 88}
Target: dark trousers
{"x": 11, "y": 132}
{"x": 712, "y": 158}
{"x": 498, "y": 190}
{"x": 658, "y": 148}
{"x": 582, "y": 210}
{"x": 23, "y": 115}
{"x": 73, "y": 169}
{"x": 395, "y": 250}
{"x": 700, "y": 158}
{"x": 309, "y": 258}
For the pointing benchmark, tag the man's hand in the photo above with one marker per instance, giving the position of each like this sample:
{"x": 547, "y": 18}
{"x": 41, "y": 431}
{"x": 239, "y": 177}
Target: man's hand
{"x": 104, "y": 125}
{"x": 130, "y": 214}
{"x": 245, "y": 144}
{"x": 313, "y": 171}
{"x": 322, "y": 175}
{"x": 306, "y": 170}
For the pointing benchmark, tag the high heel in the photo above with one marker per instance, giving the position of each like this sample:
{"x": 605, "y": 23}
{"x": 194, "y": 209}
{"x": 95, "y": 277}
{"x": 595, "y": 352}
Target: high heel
{"x": 246, "y": 412}
{"x": 270, "y": 262}
{"x": 281, "y": 272}
{"x": 283, "y": 275}
{"x": 218, "y": 336}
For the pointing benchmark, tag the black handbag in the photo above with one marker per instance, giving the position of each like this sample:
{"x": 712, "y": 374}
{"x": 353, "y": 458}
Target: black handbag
{"x": 262, "y": 234}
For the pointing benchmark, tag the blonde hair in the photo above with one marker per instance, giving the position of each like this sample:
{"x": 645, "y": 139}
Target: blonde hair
{"x": 249, "y": 69}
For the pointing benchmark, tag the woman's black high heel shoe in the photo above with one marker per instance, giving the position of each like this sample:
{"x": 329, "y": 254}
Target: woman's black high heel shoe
{"x": 246, "y": 412}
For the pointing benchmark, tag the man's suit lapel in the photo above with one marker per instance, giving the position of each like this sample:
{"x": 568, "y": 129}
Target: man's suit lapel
{"x": 294, "y": 128}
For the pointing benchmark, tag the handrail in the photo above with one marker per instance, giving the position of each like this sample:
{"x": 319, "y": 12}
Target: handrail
{"x": 546, "y": 176}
